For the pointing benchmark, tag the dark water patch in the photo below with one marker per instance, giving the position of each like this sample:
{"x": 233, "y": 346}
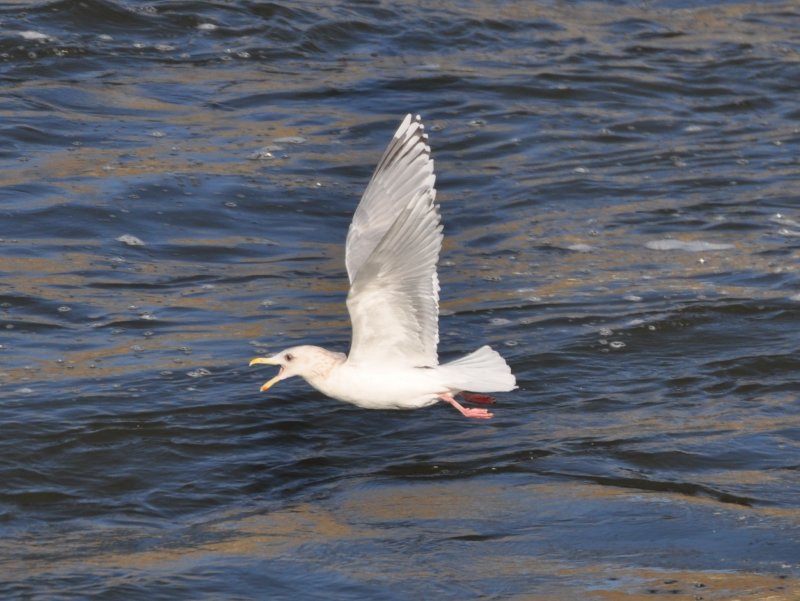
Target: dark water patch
{"x": 640, "y": 28}
{"x": 346, "y": 35}
{"x": 70, "y": 101}
{"x": 682, "y": 488}
{"x": 172, "y": 283}
{"x": 424, "y": 468}
{"x": 12, "y": 304}
{"x": 29, "y": 326}
{"x": 772, "y": 368}
{"x": 777, "y": 281}
{"x": 27, "y": 134}
{"x": 101, "y": 14}
{"x": 80, "y": 223}
{"x": 737, "y": 105}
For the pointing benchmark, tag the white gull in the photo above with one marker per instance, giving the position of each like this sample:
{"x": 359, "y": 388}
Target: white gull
{"x": 391, "y": 251}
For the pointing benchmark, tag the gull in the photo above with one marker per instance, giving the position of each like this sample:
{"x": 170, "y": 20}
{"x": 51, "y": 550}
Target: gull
{"x": 391, "y": 253}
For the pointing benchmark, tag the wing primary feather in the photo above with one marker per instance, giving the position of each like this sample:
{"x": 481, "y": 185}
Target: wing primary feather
{"x": 403, "y": 169}
{"x": 393, "y": 247}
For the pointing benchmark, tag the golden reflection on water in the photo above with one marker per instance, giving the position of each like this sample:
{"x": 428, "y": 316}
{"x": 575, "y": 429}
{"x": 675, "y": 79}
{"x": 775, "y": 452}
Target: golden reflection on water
{"x": 447, "y": 551}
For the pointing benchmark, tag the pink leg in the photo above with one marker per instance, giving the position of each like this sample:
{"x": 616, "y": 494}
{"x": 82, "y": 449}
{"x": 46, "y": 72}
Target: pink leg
{"x": 466, "y": 412}
{"x": 483, "y": 399}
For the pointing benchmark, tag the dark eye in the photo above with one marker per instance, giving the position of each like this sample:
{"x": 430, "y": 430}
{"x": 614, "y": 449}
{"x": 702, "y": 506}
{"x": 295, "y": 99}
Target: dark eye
{"x": 289, "y": 356}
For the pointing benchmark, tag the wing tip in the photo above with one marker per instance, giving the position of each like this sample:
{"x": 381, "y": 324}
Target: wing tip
{"x": 411, "y": 124}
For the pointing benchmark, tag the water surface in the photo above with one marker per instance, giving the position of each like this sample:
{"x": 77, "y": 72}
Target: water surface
{"x": 619, "y": 193}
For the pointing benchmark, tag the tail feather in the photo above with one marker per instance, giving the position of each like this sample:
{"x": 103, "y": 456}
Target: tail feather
{"x": 483, "y": 370}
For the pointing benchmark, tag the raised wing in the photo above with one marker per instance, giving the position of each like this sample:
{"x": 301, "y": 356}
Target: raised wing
{"x": 394, "y": 291}
{"x": 405, "y": 168}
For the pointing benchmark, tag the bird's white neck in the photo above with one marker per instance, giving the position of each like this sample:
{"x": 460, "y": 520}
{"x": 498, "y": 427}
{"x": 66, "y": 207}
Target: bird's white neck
{"x": 325, "y": 362}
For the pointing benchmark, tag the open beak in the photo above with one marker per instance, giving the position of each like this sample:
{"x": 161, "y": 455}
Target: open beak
{"x": 268, "y": 361}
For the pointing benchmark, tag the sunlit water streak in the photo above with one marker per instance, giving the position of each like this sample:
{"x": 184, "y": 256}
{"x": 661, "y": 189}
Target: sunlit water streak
{"x": 618, "y": 186}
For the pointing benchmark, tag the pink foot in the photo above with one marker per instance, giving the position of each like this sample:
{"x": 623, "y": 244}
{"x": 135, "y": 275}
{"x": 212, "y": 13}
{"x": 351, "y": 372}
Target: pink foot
{"x": 483, "y": 399}
{"x": 466, "y": 412}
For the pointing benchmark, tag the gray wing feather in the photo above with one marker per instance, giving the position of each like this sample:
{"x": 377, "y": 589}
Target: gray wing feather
{"x": 403, "y": 170}
{"x": 392, "y": 250}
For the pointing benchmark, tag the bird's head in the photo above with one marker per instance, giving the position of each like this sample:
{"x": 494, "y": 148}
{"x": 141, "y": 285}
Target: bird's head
{"x": 305, "y": 361}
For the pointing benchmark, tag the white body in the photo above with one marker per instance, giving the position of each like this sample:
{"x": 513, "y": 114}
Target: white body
{"x": 366, "y": 386}
{"x": 408, "y": 387}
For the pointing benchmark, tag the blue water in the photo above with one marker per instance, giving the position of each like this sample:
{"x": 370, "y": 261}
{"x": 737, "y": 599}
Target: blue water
{"x": 619, "y": 194}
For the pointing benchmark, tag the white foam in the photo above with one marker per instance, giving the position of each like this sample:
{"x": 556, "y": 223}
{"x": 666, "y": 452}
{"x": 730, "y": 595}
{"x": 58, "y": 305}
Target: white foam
{"x": 688, "y": 246}
{"x": 130, "y": 240}
{"x": 34, "y": 35}
{"x": 290, "y": 140}
{"x": 784, "y": 220}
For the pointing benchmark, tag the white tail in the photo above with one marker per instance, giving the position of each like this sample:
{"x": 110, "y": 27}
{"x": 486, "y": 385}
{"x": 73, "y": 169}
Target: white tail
{"x": 483, "y": 370}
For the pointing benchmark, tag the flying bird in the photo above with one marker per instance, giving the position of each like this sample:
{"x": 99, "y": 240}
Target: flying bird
{"x": 391, "y": 253}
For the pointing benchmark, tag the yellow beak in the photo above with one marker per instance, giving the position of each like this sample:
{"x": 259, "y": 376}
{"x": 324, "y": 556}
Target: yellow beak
{"x": 263, "y": 361}
{"x": 267, "y": 361}
{"x": 267, "y": 385}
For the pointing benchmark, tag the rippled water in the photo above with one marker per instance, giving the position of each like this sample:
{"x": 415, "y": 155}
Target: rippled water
{"x": 619, "y": 193}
